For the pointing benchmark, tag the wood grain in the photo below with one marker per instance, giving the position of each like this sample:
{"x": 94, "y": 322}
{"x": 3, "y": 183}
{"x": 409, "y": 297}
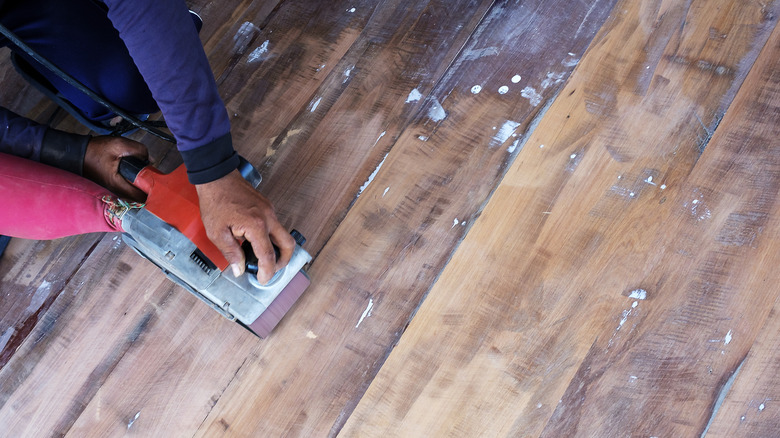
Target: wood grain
{"x": 484, "y": 227}
{"x": 748, "y": 141}
{"x": 400, "y": 233}
{"x": 531, "y": 329}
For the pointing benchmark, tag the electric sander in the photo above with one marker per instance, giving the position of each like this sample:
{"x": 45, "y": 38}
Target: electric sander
{"x": 168, "y": 231}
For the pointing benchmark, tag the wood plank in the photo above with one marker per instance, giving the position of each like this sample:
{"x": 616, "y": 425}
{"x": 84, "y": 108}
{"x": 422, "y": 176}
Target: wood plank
{"x": 749, "y": 408}
{"x": 32, "y": 274}
{"x": 376, "y": 268}
{"x": 753, "y": 125}
{"x": 539, "y": 334}
{"x": 93, "y": 333}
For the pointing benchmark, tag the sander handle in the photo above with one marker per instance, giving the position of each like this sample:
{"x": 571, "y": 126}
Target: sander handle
{"x": 130, "y": 167}
{"x": 251, "y": 258}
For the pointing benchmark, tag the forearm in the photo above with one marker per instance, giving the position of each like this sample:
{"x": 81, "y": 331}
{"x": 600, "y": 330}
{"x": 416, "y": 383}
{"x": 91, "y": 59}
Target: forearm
{"x": 25, "y": 138}
{"x": 165, "y": 46}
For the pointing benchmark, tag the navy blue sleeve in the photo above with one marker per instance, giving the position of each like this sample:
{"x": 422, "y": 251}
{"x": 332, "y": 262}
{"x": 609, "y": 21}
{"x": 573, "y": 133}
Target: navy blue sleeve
{"x": 165, "y": 46}
{"x": 25, "y": 138}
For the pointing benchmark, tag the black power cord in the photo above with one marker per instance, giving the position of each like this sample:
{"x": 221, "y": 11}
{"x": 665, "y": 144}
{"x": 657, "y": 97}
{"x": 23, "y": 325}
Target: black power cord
{"x": 146, "y": 126}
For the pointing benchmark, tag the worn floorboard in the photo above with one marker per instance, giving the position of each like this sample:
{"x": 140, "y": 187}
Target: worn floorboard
{"x": 603, "y": 272}
{"x": 515, "y": 230}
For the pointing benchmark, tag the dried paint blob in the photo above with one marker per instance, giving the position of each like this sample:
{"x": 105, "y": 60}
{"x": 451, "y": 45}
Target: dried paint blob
{"x": 351, "y": 10}
{"x": 503, "y": 90}
{"x": 414, "y": 96}
{"x": 476, "y": 89}
{"x": 516, "y": 79}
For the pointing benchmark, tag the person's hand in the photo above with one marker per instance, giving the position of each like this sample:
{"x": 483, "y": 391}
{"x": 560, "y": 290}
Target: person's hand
{"x": 101, "y": 164}
{"x": 231, "y": 210}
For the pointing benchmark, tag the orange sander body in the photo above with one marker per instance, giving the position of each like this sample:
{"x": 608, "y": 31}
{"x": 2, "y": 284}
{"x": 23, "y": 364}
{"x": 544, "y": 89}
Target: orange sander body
{"x": 169, "y": 232}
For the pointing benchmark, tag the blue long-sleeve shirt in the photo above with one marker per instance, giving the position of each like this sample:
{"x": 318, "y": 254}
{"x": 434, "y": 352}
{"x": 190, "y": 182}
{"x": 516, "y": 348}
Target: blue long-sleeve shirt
{"x": 166, "y": 48}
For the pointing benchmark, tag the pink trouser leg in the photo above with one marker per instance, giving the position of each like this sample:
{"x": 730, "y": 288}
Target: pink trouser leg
{"x": 42, "y": 202}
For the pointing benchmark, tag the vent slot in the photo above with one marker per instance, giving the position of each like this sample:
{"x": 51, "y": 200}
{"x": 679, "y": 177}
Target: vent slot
{"x": 203, "y": 262}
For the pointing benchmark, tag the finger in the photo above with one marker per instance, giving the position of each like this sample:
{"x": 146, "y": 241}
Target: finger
{"x": 231, "y": 249}
{"x": 286, "y": 244}
{"x": 266, "y": 257}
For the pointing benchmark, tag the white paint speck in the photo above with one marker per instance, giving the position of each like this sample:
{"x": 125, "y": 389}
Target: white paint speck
{"x": 552, "y": 79}
{"x": 503, "y": 134}
{"x": 503, "y": 89}
{"x": 516, "y": 79}
{"x": 414, "y": 96}
{"x": 663, "y": 186}
{"x": 422, "y": 137}
{"x": 463, "y": 224}
{"x": 310, "y": 334}
{"x": 133, "y": 420}
{"x": 695, "y": 201}
{"x": 258, "y": 53}
{"x": 367, "y": 312}
{"x": 245, "y": 29}
{"x": 38, "y": 298}
{"x": 454, "y": 223}
{"x": 541, "y": 146}
{"x": 6, "y": 336}
{"x": 728, "y": 337}
{"x": 632, "y": 378}
{"x": 634, "y": 304}
{"x": 632, "y": 194}
{"x": 638, "y": 294}
{"x": 351, "y": 10}
{"x": 385, "y": 192}
{"x": 761, "y": 407}
{"x": 320, "y": 67}
{"x": 532, "y": 95}
{"x": 371, "y": 177}
{"x": 538, "y": 406}
{"x": 511, "y": 149}
{"x": 243, "y": 37}
{"x": 472, "y": 54}
{"x": 573, "y": 156}
{"x": 624, "y": 318}
{"x": 316, "y": 104}
{"x": 437, "y": 113}
{"x": 476, "y": 89}
{"x": 347, "y": 73}
{"x": 379, "y": 138}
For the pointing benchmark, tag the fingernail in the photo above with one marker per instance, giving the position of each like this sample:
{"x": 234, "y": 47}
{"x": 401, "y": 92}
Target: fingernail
{"x": 236, "y": 269}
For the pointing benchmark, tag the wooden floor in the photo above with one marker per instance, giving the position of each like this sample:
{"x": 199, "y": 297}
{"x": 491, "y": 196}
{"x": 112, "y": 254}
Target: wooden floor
{"x": 538, "y": 218}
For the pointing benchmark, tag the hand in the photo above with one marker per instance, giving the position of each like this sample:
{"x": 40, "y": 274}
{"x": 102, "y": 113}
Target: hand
{"x": 231, "y": 210}
{"x": 101, "y": 164}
